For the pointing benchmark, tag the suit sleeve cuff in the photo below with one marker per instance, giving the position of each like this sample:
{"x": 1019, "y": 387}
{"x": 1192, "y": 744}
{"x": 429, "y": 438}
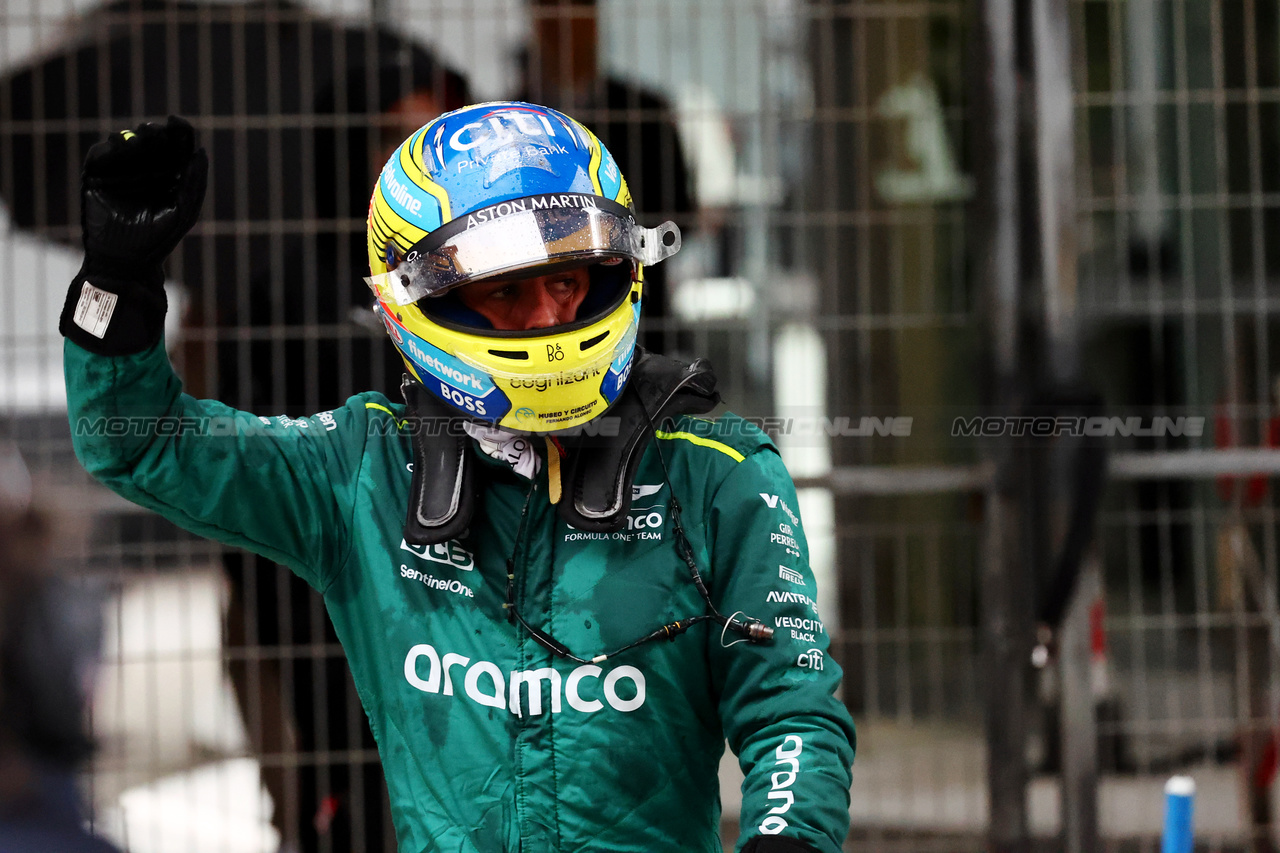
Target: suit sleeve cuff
{"x": 777, "y": 844}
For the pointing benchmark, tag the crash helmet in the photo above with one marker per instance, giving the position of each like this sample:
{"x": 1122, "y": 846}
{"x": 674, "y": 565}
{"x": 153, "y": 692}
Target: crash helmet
{"x": 510, "y": 190}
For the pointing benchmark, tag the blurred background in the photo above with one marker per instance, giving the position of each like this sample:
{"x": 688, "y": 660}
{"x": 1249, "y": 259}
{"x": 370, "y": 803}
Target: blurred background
{"x": 1002, "y": 279}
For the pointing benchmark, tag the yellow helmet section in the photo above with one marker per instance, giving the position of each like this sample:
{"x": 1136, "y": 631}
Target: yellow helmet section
{"x": 545, "y": 383}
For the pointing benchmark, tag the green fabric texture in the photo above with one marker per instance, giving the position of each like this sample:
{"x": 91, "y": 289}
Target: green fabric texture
{"x": 488, "y": 742}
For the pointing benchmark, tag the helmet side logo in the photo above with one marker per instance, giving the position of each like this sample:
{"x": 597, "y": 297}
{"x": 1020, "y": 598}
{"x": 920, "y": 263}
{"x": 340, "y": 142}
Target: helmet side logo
{"x": 400, "y": 191}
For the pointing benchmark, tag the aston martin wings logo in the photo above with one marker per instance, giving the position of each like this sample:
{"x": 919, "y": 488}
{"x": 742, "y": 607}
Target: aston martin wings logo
{"x": 638, "y": 492}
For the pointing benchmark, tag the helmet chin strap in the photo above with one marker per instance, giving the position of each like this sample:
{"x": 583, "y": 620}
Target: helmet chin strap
{"x": 595, "y": 473}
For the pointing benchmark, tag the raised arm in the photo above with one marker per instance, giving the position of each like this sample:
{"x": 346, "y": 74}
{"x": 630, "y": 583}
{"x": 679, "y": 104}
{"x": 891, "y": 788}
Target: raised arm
{"x": 277, "y": 486}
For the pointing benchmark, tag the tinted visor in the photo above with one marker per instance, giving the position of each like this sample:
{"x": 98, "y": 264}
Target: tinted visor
{"x": 609, "y": 284}
{"x": 522, "y": 233}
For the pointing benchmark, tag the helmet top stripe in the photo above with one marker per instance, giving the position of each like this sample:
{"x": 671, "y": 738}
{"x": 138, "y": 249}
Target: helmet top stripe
{"x": 417, "y": 151}
{"x": 611, "y": 177}
{"x": 413, "y": 153}
{"x": 431, "y": 159}
{"x": 593, "y": 169}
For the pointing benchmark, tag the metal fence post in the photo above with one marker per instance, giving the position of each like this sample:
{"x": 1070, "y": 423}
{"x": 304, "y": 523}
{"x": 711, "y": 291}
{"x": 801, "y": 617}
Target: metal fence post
{"x": 998, "y": 267}
{"x": 1078, "y": 720}
{"x": 1054, "y": 137}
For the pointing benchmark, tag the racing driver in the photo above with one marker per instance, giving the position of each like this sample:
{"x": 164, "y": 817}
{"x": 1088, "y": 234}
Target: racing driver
{"x": 559, "y": 592}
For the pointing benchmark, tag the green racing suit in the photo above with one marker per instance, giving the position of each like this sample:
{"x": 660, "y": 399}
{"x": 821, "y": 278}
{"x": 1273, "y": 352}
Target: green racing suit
{"x": 488, "y": 742}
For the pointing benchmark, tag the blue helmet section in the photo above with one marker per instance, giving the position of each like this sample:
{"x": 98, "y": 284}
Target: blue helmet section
{"x": 615, "y": 379}
{"x": 489, "y": 153}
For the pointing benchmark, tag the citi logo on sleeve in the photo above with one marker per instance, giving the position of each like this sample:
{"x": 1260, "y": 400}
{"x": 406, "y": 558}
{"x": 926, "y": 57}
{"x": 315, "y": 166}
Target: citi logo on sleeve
{"x": 811, "y": 659}
{"x": 486, "y": 684}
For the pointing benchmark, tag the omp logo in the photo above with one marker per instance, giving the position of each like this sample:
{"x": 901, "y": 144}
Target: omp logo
{"x": 393, "y": 329}
{"x": 788, "y": 756}
{"x": 773, "y": 502}
{"x": 446, "y": 553}
{"x": 485, "y": 684}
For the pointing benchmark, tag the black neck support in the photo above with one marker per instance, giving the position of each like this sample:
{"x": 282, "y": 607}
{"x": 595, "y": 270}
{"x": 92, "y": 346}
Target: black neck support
{"x": 597, "y": 469}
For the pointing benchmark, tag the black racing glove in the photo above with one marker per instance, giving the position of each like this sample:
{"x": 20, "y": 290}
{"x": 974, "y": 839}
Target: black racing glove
{"x": 777, "y": 844}
{"x": 141, "y": 191}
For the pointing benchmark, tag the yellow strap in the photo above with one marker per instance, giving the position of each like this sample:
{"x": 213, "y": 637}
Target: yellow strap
{"x": 553, "y": 470}
{"x": 705, "y": 442}
{"x": 383, "y": 408}
{"x": 128, "y": 134}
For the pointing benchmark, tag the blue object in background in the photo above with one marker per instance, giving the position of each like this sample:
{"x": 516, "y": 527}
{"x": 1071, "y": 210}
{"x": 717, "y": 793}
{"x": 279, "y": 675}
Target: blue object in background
{"x": 1179, "y": 805}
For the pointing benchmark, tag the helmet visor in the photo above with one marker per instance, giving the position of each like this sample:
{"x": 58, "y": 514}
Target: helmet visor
{"x": 520, "y": 234}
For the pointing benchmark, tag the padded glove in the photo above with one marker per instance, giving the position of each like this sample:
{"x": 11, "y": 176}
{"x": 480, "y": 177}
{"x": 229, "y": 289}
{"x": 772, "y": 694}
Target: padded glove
{"x": 777, "y": 844}
{"x": 141, "y": 191}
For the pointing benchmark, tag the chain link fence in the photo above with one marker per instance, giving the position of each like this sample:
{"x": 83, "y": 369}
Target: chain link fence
{"x": 823, "y": 158}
